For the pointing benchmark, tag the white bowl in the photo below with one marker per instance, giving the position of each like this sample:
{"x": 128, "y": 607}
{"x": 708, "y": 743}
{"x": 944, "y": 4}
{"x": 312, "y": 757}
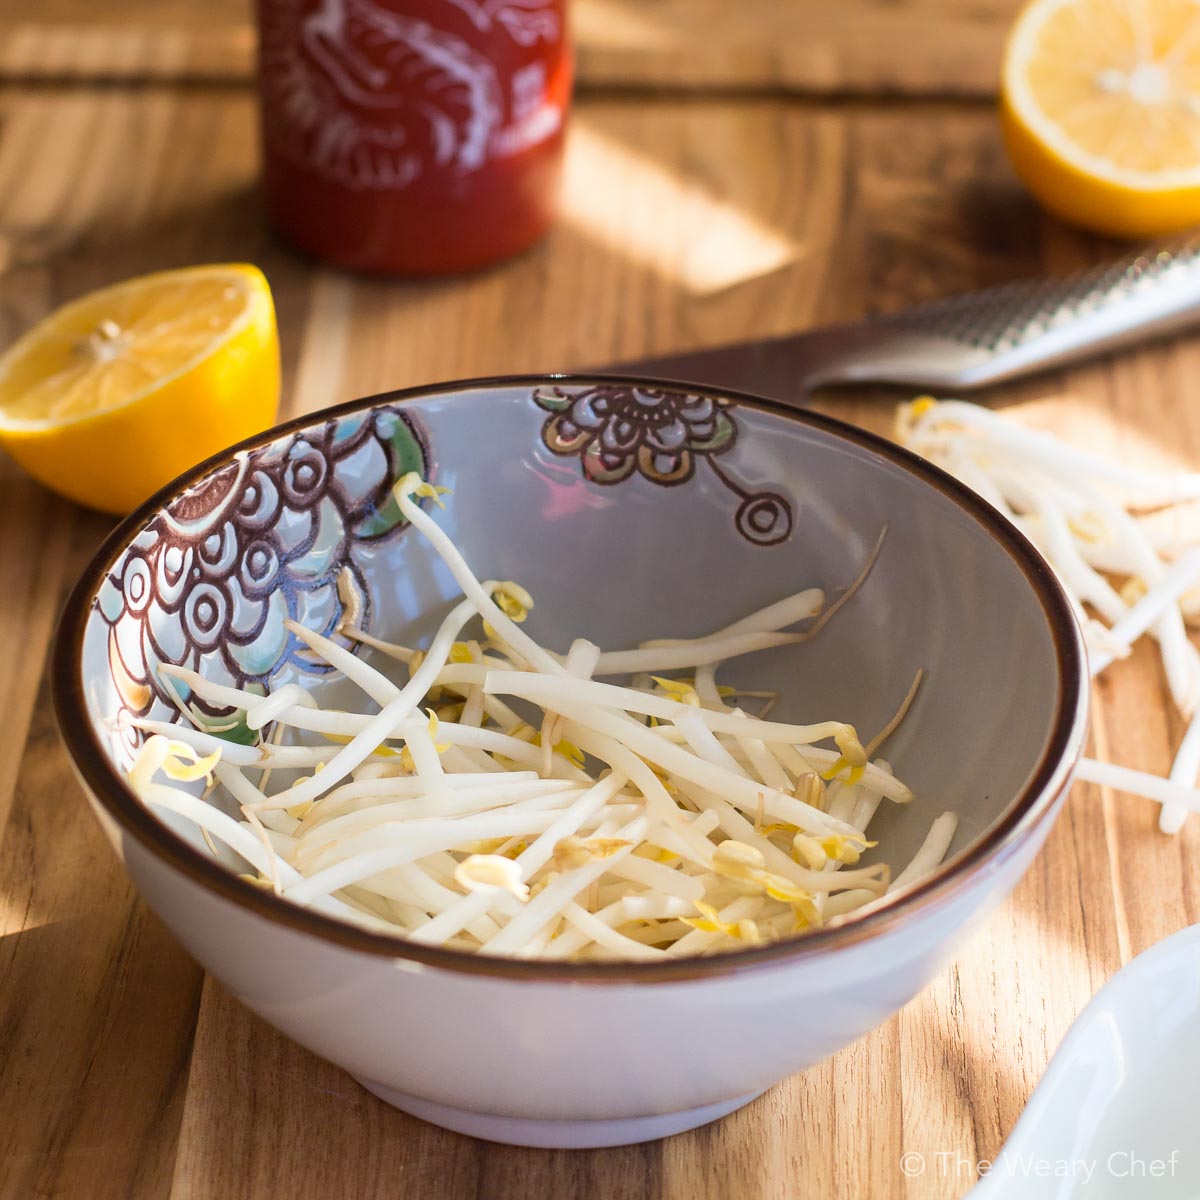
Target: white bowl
{"x": 1114, "y": 1115}
{"x": 630, "y": 511}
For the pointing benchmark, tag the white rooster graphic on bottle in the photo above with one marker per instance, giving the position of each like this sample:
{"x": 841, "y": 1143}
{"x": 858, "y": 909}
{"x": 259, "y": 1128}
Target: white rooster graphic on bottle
{"x": 340, "y": 82}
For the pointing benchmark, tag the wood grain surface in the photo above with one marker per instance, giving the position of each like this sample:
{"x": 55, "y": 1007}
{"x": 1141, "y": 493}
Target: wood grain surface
{"x": 845, "y": 47}
{"x": 123, "y": 1071}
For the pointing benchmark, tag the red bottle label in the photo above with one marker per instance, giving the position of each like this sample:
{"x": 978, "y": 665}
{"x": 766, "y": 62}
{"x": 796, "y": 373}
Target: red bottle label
{"x": 447, "y": 99}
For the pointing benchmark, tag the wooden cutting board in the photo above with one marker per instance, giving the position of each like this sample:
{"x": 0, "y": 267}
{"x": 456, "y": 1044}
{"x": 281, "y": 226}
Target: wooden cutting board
{"x": 848, "y": 47}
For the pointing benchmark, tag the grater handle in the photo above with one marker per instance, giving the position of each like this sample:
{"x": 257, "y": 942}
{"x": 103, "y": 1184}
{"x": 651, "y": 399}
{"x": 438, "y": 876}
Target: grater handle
{"x": 1015, "y": 329}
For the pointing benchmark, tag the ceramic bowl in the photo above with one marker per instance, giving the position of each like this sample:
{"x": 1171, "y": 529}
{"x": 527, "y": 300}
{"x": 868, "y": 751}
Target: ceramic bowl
{"x": 630, "y": 510}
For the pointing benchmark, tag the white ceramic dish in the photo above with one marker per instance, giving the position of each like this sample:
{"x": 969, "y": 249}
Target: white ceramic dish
{"x": 630, "y": 511}
{"x": 1114, "y": 1117}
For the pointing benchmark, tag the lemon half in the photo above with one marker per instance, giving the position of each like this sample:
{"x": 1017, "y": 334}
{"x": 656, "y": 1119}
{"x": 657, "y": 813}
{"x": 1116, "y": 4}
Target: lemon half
{"x": 1100, "y": 106}
{"x": 115, "y": 394}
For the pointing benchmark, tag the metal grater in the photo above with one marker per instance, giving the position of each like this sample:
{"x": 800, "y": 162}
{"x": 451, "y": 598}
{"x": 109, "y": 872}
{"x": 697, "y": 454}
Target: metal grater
{"x": 965, "y": 341}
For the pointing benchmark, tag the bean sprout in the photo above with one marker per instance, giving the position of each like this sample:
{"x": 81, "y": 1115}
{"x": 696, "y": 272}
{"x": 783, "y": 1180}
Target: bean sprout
{"x": 600, "y": 821}
{"x": 1081, "y": 512}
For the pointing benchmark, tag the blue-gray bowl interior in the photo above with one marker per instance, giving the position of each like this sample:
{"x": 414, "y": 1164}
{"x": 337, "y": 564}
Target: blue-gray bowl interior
{"x": 629, "y": 515}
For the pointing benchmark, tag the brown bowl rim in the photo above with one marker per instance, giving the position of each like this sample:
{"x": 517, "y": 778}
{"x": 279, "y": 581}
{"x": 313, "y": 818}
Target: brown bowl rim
{"x": 1046, "y": 784}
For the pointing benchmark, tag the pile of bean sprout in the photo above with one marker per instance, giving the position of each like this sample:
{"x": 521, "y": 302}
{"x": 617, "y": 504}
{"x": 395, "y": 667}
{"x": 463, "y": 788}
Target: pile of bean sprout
{"x": 1087, "y": 517}
{"x": 593, "y": 820}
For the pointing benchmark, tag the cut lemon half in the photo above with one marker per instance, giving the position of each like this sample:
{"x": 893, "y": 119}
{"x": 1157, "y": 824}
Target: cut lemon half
{"x": 115, "y": 394}
{"x": 1100, "y": 104}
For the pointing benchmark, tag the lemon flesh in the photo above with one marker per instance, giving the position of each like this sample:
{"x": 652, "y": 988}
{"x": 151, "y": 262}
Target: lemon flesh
{"x": 1100, "y": 109}
{"x": 112, "y": 396}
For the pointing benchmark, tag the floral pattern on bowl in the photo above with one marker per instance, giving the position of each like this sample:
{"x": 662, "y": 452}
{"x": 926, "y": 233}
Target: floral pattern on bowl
{"x": 618, "y": 430}
{"x": 273, "y": 536}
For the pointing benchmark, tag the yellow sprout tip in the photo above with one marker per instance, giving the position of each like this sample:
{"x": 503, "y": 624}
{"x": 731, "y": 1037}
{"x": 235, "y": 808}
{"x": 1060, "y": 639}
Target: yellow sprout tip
{"x": 854, "y": 774}
{"x": 184, "y": 765}
{"x": 413, "y": 485}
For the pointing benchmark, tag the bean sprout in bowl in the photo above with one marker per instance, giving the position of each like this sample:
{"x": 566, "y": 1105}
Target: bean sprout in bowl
{"x": 623, "y": 915}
